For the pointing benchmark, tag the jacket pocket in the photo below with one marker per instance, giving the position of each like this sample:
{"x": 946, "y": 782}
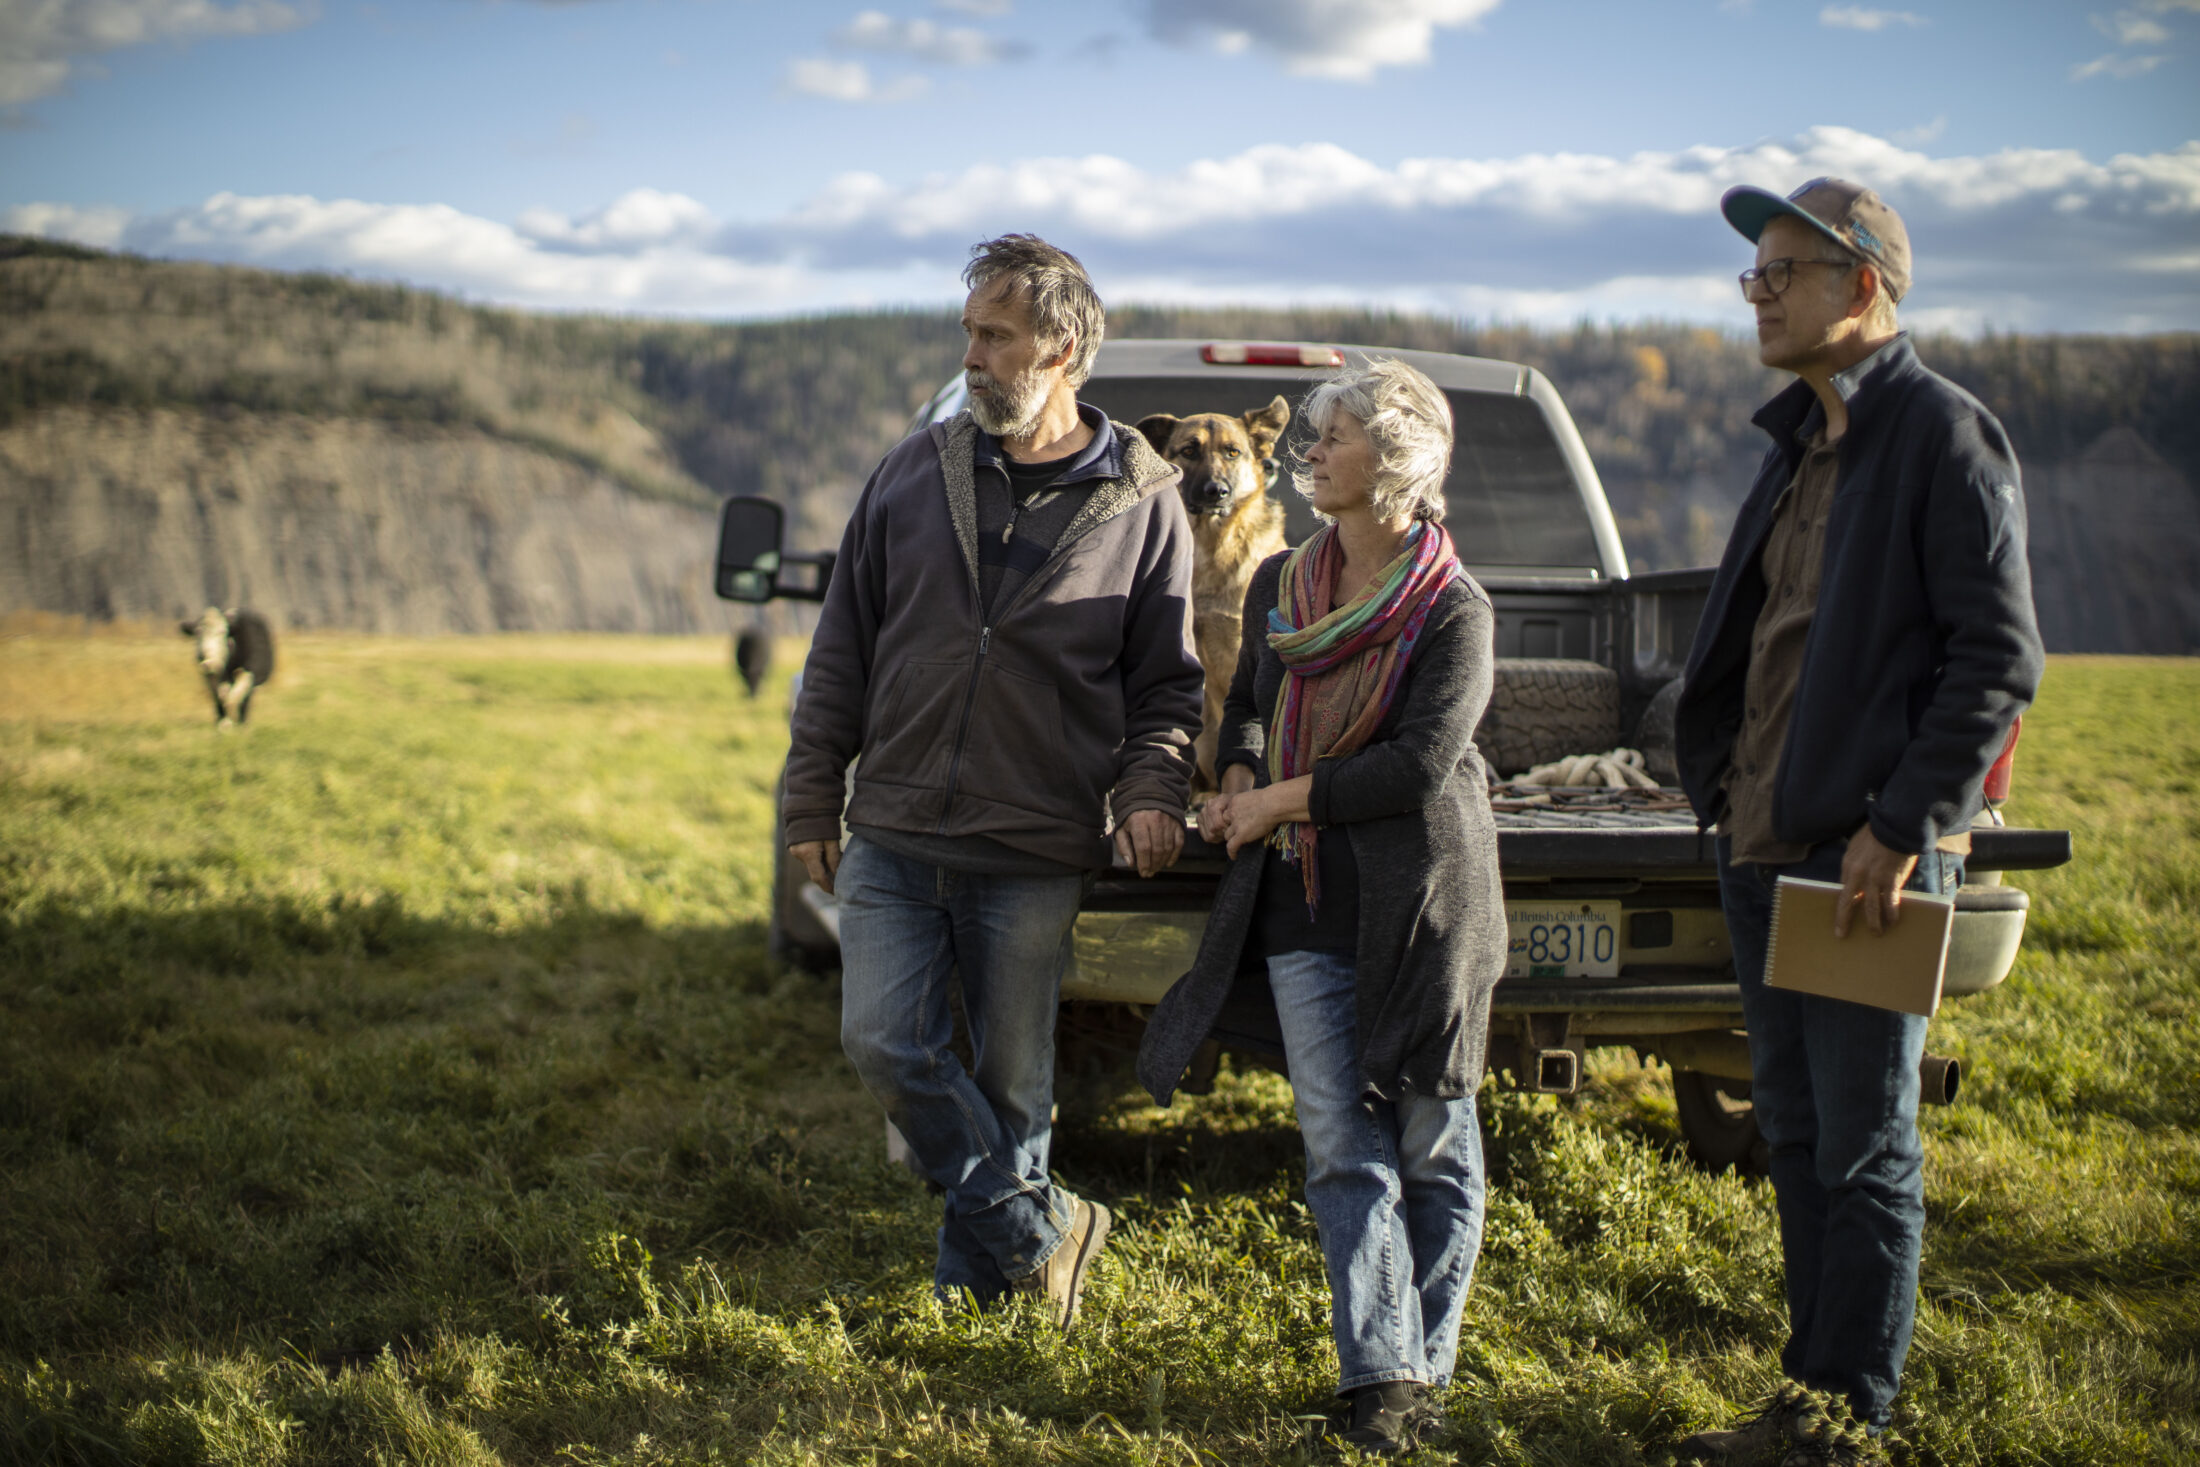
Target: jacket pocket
{"x": 1019, "y": 751}
{"x": 913, "y": 735}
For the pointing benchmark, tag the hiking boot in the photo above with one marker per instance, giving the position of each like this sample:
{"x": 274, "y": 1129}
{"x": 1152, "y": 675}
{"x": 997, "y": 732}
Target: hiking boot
{"x": 1385, "y": 1418}
{"x": 1834, "y": 1441}
{"x": 1062, "y": 1277}
{"x": 1763, "y": 1437}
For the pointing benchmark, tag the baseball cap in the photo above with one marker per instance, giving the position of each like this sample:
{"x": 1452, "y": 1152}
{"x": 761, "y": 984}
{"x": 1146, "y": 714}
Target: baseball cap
{"x": 1849, "y": 214}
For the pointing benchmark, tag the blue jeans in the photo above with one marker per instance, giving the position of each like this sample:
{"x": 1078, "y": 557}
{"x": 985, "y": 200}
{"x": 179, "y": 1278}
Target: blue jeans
{"x": 1835, "y": 1086}
{"x": 1395, "y": 1186}
{"x": 907, "y": 931}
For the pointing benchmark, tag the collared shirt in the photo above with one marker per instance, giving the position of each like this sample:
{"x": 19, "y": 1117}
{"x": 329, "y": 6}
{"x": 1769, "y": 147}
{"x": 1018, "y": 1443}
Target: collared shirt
{"x": 1794, "y": 555}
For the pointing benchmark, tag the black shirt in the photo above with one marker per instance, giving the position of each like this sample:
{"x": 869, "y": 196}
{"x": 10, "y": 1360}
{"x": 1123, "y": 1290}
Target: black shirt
{"x": 1280, "y": 922}
{"x": 1021, "y": 517}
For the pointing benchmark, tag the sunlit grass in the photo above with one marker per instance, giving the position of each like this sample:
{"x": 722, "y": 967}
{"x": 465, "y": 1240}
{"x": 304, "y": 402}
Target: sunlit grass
{"x": 403, "y": 1079}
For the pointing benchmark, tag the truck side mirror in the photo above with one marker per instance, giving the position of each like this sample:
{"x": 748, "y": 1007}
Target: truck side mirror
{"x": 749, "y": 533}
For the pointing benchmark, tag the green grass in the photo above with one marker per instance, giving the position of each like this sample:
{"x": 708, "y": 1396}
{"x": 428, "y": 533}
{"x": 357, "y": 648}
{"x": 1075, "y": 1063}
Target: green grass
{"x": 404, "y": 1080}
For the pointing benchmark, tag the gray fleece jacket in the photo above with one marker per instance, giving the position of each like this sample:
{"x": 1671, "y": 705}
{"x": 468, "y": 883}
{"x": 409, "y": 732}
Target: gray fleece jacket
{"x": 1077, "y": 702}
{"x": 1414, "y": 801}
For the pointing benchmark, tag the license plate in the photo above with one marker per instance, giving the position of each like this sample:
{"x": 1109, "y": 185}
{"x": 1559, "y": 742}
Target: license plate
{"x": 1563, "y": 939}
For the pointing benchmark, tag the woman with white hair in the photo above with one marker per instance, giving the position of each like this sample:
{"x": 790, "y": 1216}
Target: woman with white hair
{"x": 1363, "y": 882}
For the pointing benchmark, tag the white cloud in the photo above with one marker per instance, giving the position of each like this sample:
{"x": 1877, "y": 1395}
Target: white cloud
{"x": 1277, "y": 180}
{"x": 642, "y": 253}
{"x": 641, "y": 220}
{"x": 99, "y": 227}
{"x": 874, "y": 30}
{"x": 1543, "y": 237}
{"x": 1995, "y": 233}
{"x": 2116, "y": 66}
{"x": 987, "y": 8}
{"x": 850, "y": 81}
{"x": 1345, "y": 40}
{"x": 44, "y": 42}
{"x": 1912, "y": 137}
{"x": 1861, "y": 18}
{"x": 2130, "y": 28}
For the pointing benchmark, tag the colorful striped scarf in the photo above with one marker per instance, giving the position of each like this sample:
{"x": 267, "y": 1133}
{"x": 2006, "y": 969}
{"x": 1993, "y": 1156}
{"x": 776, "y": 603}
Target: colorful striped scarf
{"x": 1342, "y": 665}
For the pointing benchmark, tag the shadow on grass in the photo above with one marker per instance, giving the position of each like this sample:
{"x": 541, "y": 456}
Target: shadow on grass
{"x": 343, "y": 1125}
{"x": 1198, "y": 1152}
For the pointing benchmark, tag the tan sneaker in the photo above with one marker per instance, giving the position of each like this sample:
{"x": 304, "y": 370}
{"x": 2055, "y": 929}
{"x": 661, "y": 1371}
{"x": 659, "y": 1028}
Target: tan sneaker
{"x": 1062, "y": 1277}
{"x": 1787, "y": 1419}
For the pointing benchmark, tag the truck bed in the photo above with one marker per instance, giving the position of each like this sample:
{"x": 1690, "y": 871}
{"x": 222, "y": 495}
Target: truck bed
{"x": 1674, "y": 964}
{"x": 1619, "y": 841}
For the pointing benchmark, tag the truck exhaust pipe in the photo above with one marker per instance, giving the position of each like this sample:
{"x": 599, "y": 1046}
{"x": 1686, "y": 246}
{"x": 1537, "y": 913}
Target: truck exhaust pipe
{"x": 1939, "y": 1077}
{"x": 1725, "y": 1054}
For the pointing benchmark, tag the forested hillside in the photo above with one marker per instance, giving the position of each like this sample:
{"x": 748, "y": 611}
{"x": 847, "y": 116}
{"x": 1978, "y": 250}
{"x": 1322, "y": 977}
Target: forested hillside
{"x": 370, "y": 456}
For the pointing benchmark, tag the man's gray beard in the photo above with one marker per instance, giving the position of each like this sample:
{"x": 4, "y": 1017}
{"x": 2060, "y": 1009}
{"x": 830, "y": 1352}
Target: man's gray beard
{"x": 1011, "y": 409}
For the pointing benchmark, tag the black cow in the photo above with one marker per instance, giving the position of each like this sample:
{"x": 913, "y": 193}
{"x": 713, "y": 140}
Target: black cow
{"x": 752, "y": 657}
{"x": 236, "y": 655}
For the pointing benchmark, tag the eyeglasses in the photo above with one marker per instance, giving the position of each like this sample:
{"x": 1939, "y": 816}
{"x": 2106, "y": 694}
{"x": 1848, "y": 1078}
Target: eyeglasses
{"x": 1778, "y": 275}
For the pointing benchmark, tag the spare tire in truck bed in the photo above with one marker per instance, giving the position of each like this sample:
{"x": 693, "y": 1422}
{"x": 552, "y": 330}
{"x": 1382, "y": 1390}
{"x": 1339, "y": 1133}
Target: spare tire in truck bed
{"x": 1546, "y": 707}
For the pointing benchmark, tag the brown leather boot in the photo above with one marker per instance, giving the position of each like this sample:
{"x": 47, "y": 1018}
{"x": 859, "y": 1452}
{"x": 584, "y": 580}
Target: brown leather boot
{"x": 1764, "y": 1437}
{"x": 1062, "y": 1277}
{"x": 1835, "y": 1443}
{"x": 1384, "y": 1418}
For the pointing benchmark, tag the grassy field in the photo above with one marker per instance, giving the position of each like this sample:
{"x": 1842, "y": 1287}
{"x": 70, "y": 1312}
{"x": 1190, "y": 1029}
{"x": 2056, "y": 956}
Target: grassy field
{"x": 404, "y": 1080}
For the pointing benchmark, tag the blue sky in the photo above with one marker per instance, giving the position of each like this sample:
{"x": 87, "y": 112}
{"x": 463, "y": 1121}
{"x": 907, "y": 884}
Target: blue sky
{"x": 1517, "y": 159}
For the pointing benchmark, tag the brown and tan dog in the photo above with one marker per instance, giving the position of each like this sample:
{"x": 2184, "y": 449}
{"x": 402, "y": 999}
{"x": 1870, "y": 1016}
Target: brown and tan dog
{"x": 1226, "y": 463}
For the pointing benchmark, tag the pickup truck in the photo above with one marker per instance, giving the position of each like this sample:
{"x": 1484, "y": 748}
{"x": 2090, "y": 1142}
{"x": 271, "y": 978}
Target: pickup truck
{"x": 1612, "y": 896}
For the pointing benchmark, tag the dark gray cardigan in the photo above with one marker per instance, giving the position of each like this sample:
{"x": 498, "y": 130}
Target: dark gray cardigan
{"x": 1415, "y": 804}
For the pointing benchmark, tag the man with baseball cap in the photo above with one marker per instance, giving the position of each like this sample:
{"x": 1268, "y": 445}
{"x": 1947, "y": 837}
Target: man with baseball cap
{"x": 1866, "y": 645}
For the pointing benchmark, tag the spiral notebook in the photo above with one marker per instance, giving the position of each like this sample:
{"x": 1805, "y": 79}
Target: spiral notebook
{"x": 1899, "y": 968}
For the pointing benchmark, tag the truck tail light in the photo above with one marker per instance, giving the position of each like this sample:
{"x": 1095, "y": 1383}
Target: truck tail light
{"x": 1248, "y": 354}
{"x": 1997, "y": 777}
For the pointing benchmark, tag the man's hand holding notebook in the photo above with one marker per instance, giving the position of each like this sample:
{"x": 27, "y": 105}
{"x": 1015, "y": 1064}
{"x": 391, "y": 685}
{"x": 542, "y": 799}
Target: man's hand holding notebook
{"x": 1873, "y": 875}
{"x": 1894, "y": 965}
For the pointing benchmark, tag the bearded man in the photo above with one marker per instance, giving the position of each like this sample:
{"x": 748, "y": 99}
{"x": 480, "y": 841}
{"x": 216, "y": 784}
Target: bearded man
{"x": 1005, "y": 648}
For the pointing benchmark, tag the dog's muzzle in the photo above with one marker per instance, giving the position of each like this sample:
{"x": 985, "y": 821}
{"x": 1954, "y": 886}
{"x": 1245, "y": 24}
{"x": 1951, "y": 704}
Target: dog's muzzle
{"x": 1211, "y": 497}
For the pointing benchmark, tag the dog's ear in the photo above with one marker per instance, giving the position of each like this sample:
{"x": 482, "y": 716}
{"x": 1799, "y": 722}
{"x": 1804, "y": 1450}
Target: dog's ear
{"x": 1158, "y": 429}
{"x": 1265, "y": 426}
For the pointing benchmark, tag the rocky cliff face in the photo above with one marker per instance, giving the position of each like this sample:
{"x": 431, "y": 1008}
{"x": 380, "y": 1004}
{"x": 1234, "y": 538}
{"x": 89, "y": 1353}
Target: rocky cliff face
{"x": 335, "y": 522}
{"x": 2115, "y": 550}
{"x": 2115, "y": 541}
{"x": 371, "y": 457}
{"x": 394, "y": 527}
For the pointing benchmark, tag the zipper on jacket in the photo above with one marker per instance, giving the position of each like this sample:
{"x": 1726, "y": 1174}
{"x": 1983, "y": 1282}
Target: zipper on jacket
{"x": 970, "y": 695}
{"x": 985, "y": 640}
{"x": 977, "y": 666}
{"x": 962, "y": 729}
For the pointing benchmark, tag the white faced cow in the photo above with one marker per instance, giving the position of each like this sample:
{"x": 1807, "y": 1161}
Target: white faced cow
{"x": 236, "y": 655}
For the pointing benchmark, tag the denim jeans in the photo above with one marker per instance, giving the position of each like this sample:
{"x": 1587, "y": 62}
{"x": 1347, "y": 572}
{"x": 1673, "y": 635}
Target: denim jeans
{"x": 908, "y": 930}
{"x": 1396, "y": 1187}
{"x": 1835, "y": 1085}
